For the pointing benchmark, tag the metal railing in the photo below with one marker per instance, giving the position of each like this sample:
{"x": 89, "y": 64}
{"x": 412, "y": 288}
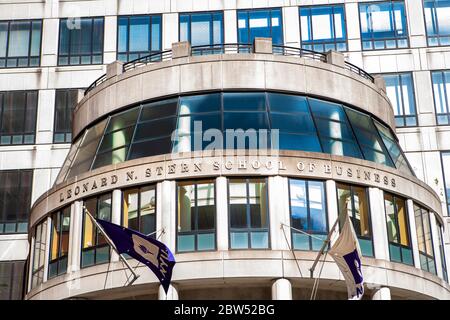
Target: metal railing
{"x": 359, "y": 71}
{"x": 299, "y": 52}
{"x": 231, "y": 48}
{"x": 151, "y": 58}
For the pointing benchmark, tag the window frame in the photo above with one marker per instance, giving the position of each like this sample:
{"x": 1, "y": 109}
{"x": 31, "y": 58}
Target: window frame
{"x": 3, "y": 95}
{"x": 40, "y": 223}
{"x": 196, "y": 182}
{"x": 334, "y": 41}
{"x": 139, "y": 189}
{"x": 442, "y": 72}
{"x": 248, "y": 229}
{"x": 60, "y": 257}
{"x": 67, "y": 94}
{"x": 69, "y": 55}
{"x": 435, "y": 23}
{"x": 139, "y": 53}
{"x": 447, "y": 197}
{"x": 327, "y": 222}
{"x": 96, "y": 246}
{"x": 400, "y": 82}
{"x": 372, "y": 39}
{"x": 29, "y": 56}
{"x": 408, "y": 226}
{"x": 211, "y": 23}
{"x": 369, "y": 213}
{"x": 421, "y": 253}
{"x": 247, "y": 11}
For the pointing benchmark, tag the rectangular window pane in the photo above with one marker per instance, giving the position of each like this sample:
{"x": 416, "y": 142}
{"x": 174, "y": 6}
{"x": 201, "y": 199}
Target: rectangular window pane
{"x": 260, "y": 23}
{"x": 437, "y": 19}
{"x": 441, "y": 86}
{"x": 65, "y": 102}
{"x": 81, "y": 41}
{"x": 11, "y": 280}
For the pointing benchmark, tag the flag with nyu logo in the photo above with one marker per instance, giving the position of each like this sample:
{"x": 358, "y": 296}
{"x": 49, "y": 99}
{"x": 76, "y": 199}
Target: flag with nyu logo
{"x": 154, "y": 254}
{"x": 347, "y": 254}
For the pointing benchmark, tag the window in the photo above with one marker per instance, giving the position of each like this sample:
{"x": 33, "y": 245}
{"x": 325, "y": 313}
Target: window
{"x": 383, "y": 25}
{"x": 15, "y": 200}
{"x": 40, "y": 241}
{"x": 139, "y": 209}
{"x": 196, "y": 216}
{"x": 11, "y": 280}
{"x": 138, "y": 36}
{"x": 95, "y": 249}
{"x": 248, "y": 214}
{"x": 353, "y": 201}
{"x": 18, "y": 117}
{"x": 65, "y": 102}
{"x": 442, "y": 250}
{"x": 441, "y": 90}
{"x": 20, "y": 43}
{"x": 202, "y": 29}
{"x": 446, "y": 169}
{"x": 424, "y": 240}
{"x": 59, "y": 242}
{"x": 437, "y": 20}
{"x": 400, "y": 90}
{"x": 260, "y": 23}
{"x": 116, "y": 139}
{"x": 398, "y": 229}
{"x": 308, "y": 213}
{"x": 80, "y": 41}
{"x": 323, "y": 28}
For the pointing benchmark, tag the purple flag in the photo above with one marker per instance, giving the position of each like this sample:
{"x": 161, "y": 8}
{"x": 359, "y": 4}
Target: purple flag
{"x": 154, "y": 254}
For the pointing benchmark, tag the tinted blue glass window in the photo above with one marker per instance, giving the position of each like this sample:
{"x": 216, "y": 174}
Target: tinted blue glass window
{"x": 80, "y": 41}
{"x": 202, "y": 29}
{"x": 20, "y": 43}
{"x": 308, "y": 212}
{"x": 138, "y": 36}
{"x": 441, "y": 90}
{"x": 244, "y": 102}
{"x": 383, "y": 25}
{"x": 200, "y": 103}
{"x": 400, "y": 90}
{"x": 437, "y": 19}
{"x": 323, "y": 28}
{"x": 260, "y": 23}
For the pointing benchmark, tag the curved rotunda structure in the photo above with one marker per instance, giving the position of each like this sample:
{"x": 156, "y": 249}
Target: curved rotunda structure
{"x": 229, "y": 155}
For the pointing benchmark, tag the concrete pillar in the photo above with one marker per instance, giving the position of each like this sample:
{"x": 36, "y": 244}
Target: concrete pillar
{"x": 291, "y": 22}
{"x": 30, "y": 264}
{"x": 230, "y": 26}
{"x": 75, "y": 240}
{"x": 353, "y": 29}
{"x": 279, "y": 213}
{"x": 262, "y": 45}
{"x": 114, "y": 69}
{"x": 282, "y": 289}
{"x": 181, "y": 49}
{"x": 110, "y": 42}
{"x": 222, "y": 213}
{"x": 332, "y": 207}
{"x": 379, "y": 228}
{"x": 172, "y": 293}
{"x": 412, "y": 227}
{"x": 336, "y": 58}
{"x": 170, "y": 30}
{"x": 116, "y": 216}
{"x": 168, "y": 213}
{"x": 435, "y": 240}
{"x": 383, "y": 293}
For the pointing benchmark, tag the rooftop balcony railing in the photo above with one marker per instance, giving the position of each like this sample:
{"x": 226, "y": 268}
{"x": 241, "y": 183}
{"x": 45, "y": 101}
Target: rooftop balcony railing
{"x": 260, "y": 45}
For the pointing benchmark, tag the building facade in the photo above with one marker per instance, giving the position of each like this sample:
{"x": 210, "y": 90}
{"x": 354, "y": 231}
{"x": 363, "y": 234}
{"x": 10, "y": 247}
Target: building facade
{"x": 327, "y": 125}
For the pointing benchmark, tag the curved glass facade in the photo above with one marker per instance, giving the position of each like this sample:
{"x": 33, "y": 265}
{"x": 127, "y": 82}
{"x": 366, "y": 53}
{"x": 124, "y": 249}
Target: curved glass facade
{"x": 211, "y": 121}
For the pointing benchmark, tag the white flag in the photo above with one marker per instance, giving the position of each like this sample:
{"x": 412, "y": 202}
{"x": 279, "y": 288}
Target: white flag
{"x": 347, "y": 254}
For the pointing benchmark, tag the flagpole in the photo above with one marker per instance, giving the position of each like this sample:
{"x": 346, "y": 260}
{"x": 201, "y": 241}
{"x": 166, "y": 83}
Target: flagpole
{"x": 111, "y": 243}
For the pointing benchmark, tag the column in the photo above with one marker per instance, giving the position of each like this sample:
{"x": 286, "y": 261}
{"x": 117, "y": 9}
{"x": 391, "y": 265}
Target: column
{"x": 116, "y": 216}
{"x": 435, "y": 239}
{"x": 168, "y": 213}
{"x": 279, "y": 213}
{"x": 291, "y": 22}
{"x": 75, "y": 237}
{"x": 383, "y": 293}
{"x": 379, "y": 229}
{"x": 332, "y": 207}
{"x": 230, "y": 26}
{"x": 172, "y": 293}
{"x": 416, "y": 23}
{"x": 412, "y": 227}
{"x": 47, "y": 247}
{"x": 170, "y": 30}
{"x": 110, "y": 39}
{"x": 282, "y": 289}
{"x": 30, "y": 264}
{"x": 222, "y": 213}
